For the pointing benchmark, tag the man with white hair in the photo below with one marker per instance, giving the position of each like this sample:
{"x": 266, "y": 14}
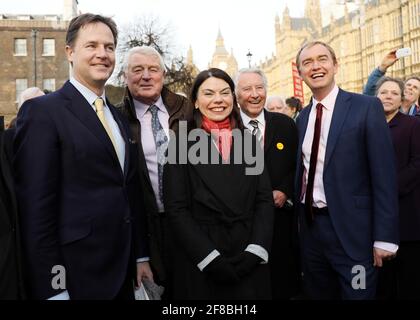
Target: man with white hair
{"x": 278, "y": 136}
{"x": 29, "y": 93}
{"x": 151, "y": 107}
{"x": 275, "y": 104}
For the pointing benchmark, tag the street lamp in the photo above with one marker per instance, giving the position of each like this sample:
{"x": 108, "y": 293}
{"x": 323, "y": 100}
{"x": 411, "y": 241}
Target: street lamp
{"x": 249, "y": 56}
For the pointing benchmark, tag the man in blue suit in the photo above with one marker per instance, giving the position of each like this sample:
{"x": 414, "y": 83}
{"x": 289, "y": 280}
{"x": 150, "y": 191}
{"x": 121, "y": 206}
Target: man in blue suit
{"x": 345, "y": 183}
{"x": 77, "y": 183}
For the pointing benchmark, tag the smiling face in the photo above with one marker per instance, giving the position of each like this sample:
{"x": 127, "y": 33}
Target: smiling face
{"x": 251, "y": 94}
{"x": 317, "y": 68}
{"x": 93, "y": 56}
{"x": 215, "y": 99}
{"x": 391, "y": 97}
{"x": 412, "y": 90}
{"x": 144, "y": 77}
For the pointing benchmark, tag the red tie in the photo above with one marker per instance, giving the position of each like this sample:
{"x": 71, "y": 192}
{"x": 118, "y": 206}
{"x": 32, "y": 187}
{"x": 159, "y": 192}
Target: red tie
{"x": 312, "y": 164}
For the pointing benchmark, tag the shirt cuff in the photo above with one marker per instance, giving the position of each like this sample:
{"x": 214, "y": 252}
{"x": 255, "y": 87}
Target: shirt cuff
{"x": 258, "y": 251}
{"x": 144, "y": 259}
{"x": 61, "y": 296}
{"x": 204, "y": 263}
{"x": 387, "y": 246}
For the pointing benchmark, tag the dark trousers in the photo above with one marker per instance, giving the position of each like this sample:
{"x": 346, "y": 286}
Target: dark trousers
{"x": 284, "y": 257}
{"x": 328, "y": 272}
{"x": 162, "y": 250}
{"x": 400, "y": 278}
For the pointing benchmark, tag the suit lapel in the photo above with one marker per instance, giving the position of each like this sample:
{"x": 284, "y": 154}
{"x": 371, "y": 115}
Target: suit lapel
{"x": 213, "y": 174}
{"x": 341, "y": 109}
{"x": 124, "y": 135}
{"x": 85, "y": 113}
{"x": 269, "y": 130}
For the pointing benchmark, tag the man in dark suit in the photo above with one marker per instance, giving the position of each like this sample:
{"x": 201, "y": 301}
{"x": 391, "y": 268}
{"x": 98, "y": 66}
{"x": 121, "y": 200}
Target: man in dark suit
{"x": 345, "y": 183}
{"x": 278, "y": 134}
{"x": 11, "y": 280}
{"x": 144, "y": 72}
{"x": 77, "y": 181}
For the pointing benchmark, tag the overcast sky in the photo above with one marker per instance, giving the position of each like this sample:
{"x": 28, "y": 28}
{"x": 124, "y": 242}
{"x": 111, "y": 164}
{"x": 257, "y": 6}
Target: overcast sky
{"x": 245, "y": 24}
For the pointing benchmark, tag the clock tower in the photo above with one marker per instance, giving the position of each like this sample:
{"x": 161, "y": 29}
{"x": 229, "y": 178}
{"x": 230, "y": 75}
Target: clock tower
{"x": 222, "y": 59}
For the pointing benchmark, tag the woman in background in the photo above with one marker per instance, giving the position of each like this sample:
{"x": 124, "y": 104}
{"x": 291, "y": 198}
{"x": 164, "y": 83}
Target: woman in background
{"x": 401, "y": 277}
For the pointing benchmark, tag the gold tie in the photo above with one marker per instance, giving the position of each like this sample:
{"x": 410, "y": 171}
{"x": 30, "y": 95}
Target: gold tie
{"x": 99, "y": 105}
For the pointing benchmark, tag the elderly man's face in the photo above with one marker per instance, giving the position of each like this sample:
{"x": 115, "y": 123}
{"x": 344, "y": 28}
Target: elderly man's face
{"x": 275, "y": 105}
{"x": 251, "y": 94}
{"x": 144, "y": 77}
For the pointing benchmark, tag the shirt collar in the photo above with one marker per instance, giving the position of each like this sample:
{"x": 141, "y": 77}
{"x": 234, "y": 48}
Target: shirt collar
{"x": 329, "y": 101}
{"x": 141, "y": 108}
{"x": 260, "y": 118}
{"x": 88, "y": 94}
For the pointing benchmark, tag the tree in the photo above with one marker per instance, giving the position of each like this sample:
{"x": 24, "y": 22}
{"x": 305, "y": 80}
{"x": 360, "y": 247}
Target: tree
{"x": 149, "y": 31}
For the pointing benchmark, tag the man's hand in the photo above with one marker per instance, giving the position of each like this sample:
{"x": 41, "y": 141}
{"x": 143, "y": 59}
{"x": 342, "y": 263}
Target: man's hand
{"x": 388, "y": 61}
{"x": 380, "y": 255}
{"x": 143, "y": 272}
{"x": 279, "y": 198}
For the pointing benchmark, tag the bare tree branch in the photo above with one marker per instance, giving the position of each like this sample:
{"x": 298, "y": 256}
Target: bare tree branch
{"x": 149, "y": 31}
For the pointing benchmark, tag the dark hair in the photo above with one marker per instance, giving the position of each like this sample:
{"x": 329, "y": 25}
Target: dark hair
{"x": 196, "y": 117}
{"x": 382, "y": 80}
{"x": 310, "y": 45}
{"x": 80, "y": 21}
{"x": 294, "y": 103}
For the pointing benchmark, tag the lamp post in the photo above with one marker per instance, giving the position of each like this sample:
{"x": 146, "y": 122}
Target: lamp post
{"x": 249, "y": 56}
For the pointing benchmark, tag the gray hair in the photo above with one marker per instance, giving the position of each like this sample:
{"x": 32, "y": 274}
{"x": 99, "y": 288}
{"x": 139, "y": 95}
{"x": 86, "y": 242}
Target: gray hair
{"x": 274, "y": 98}
{"x": 384, "y": 79}
{"x": 29, "y": 93}
{"x": 146, "y": 51}
{"x": 250, "y": 70}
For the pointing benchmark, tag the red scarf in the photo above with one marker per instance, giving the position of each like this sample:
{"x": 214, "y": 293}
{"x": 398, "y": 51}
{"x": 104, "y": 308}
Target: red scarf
{"x": 222, "y": 131}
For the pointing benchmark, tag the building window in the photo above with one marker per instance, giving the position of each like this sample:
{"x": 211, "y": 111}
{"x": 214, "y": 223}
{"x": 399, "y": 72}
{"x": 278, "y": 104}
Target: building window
{"x": 376, "y": 33}
{"x": 49, "y": 84}
{"x": 21, "y": 85}
{"x": 415, "y": 47}
{"x": 48, "y": 47}
{"x": 371, "y": 61}
{"x": 415, "y": 14}
{"x": 20, "y": 47}
{"x": 397, "y": 25}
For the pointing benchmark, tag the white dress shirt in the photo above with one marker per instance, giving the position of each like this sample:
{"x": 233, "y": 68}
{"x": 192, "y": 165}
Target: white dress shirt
{"x": 261, "y": 123}
{"x": 148, "y": 141}
{"x": 319, "y": 199}
{"x": 90, "y": 96}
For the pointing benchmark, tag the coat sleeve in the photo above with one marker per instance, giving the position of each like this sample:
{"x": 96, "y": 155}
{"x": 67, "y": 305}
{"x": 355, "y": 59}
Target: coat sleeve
{"x": 381, "y": 159}
{"x": 37, "y": 170}
{"x": 370, "y": 86}
{"x": 262, "y": 233}
{"x": 409, "y": 176}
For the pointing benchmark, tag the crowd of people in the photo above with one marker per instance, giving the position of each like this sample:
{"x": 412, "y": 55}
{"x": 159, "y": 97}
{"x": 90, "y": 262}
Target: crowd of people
{"x": 225, "y": 194}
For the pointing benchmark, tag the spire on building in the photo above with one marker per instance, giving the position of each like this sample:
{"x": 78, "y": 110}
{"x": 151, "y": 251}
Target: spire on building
{"x": 313, "y": 12}
{"x": 286, "y": 18}
{"x": 190, "y": 56}
{"x": 220, "y": 44}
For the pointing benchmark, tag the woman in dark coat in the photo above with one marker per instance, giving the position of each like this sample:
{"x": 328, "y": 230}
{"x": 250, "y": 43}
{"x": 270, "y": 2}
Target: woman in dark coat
{"x": 220, "y": 206}
{"x": 400, "y": 278}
